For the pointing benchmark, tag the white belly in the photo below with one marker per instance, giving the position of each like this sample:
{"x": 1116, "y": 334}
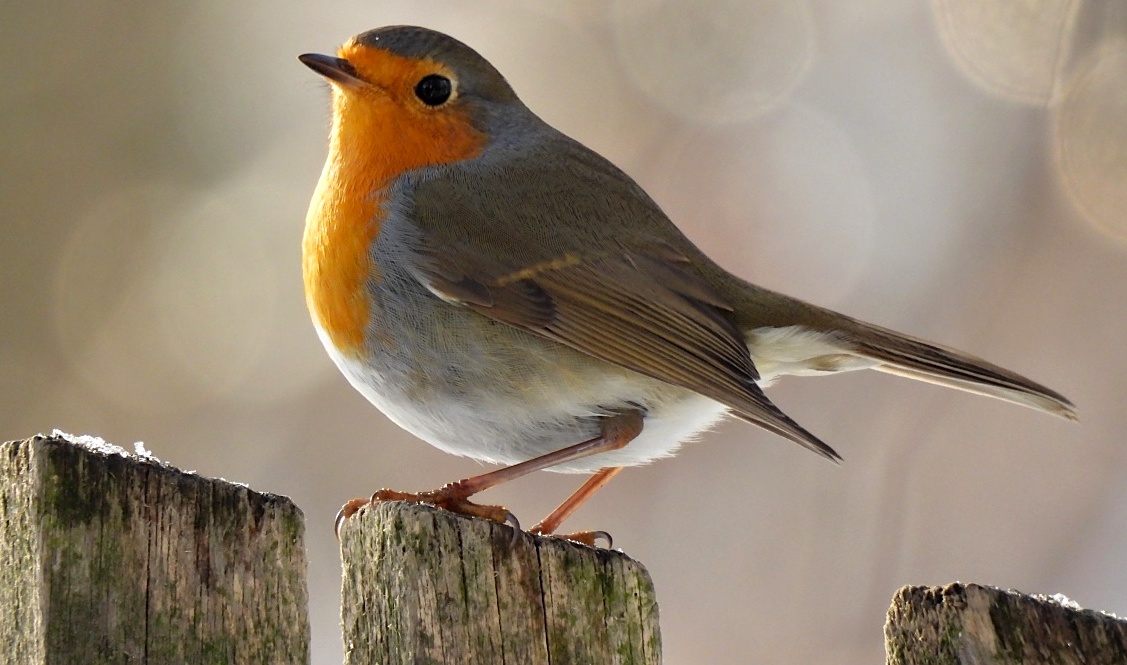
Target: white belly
{"x": 503, "y": 415}
{"x": 498, "y": 428}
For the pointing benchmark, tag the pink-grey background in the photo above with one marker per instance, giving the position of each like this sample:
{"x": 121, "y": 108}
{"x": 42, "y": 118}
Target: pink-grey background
{"x": 954, "y": 169}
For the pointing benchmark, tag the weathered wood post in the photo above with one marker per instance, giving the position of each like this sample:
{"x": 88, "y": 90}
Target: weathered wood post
{"x": 110, "y": 557}
{"x": 426, "y": 586}
{"x": 968, "y": 624}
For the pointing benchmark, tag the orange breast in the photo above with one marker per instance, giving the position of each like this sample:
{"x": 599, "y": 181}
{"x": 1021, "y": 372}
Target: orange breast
{"x": 378, "y": 134}
{"x": 339, "y": 228}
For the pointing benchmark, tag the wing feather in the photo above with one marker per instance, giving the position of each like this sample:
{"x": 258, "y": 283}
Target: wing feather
{"x": 637, "y": 311}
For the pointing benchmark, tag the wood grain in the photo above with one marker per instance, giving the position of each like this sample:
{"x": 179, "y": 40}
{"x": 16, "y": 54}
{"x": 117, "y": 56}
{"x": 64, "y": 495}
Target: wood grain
{"x": 969, "y": 624}
{"x": 110, "y": 557}
{"x": 422, "y": 585}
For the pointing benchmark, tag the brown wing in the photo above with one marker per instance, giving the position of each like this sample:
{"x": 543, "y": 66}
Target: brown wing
{"x": 641, "y": 310}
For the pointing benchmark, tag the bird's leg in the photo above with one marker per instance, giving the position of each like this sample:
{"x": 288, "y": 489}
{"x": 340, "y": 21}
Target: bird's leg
{"x": 617, "y": 431}
{"x": 549, "y": 524}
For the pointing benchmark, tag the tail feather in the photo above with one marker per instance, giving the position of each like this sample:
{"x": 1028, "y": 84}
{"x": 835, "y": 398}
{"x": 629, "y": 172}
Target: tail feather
{"x": 916, "y": 359}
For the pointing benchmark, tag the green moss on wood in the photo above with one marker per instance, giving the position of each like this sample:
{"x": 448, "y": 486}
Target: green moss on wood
{"x": 141, "y": 561}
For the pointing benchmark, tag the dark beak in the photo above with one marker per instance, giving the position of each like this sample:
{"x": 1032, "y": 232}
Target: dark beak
{"x": 337, "y": 70}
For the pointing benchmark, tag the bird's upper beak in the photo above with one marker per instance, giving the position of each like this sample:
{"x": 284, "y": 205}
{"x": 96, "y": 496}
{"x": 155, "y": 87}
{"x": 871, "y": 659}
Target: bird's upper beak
{"x": 337, "y": 70}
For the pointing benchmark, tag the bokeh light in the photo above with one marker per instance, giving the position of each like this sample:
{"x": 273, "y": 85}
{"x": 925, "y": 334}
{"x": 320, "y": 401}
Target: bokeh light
{"x": 715, "y": 61}
{"x": 1091, "y": 137}
{"x": 1012, "y": 48}
{"x": 108, "y": 323}
{"x": 785, "y": 199}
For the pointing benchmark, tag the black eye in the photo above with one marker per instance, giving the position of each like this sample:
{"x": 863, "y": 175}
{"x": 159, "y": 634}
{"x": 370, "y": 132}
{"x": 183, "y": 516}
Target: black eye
{"x": 433, "y": 89}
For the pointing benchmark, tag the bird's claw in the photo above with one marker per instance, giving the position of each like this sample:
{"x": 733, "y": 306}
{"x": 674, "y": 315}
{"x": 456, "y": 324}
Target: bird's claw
{"x": 350, "y": 508}
{"x": 588, "y": 538}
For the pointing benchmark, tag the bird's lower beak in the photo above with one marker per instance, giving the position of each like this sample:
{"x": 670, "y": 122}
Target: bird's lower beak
{"x": 337, "y": 70}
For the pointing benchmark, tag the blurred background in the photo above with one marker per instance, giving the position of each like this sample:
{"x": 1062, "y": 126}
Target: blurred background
{"x": 956, "y": 170}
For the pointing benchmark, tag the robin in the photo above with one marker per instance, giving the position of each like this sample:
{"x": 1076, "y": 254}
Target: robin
{"x": 505, "y": 293}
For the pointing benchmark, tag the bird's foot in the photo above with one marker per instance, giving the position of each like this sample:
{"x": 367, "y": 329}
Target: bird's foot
{"x": 453, "y": 497}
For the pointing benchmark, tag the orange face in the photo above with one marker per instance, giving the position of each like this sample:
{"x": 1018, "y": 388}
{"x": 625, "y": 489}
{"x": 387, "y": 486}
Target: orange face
{"x": 385, "y": 119}
{"x": 381, "y": 129}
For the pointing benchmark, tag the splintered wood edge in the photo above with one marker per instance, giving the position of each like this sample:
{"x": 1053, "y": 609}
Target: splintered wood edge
{"x": 449, "y": 588}
{"x": 970, "y": 623}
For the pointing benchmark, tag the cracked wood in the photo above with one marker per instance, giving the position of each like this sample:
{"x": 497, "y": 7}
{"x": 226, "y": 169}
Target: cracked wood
{"x": 426, "y": 586}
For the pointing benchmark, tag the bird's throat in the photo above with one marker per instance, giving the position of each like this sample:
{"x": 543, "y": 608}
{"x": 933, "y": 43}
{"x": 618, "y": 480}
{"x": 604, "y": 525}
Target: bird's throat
{"x": 375, "y": 139}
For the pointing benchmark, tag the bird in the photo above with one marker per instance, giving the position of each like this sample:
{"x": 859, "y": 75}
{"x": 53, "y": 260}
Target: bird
{"x": 505, "y": 293}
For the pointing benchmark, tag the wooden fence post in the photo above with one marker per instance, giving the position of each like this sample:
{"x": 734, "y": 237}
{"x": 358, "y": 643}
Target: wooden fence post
{"x": 426, "y": 586}
{"x": 110, "y": 557}
{"x": 968, "y": 624}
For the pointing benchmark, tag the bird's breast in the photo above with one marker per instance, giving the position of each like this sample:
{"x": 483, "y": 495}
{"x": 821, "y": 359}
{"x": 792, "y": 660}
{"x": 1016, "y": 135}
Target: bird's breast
{"x": 372, "y": 144}
{"x": 343, "y": 220}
